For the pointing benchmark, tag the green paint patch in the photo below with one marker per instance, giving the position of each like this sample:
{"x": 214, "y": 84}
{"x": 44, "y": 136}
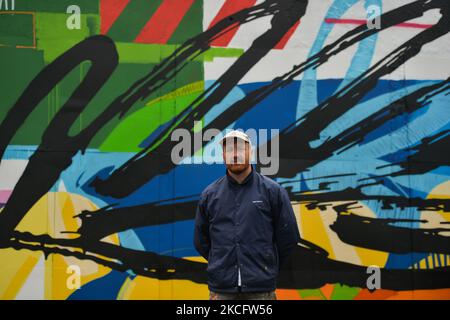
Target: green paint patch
{"x": 343, "y": 292}
{"x": 18, "y": 68}
{"x": 53, "y": 36}
{"x": 155, "y": 53}
{"x": 196, "y": 87}
{"x": 134, "y": 129}
{"x": 121, "y": 80}
{"x": 311, "y": 294}
{"x": 221, "y": 53}
{"x": 56, "y": 6}
{"x": 16, "y": 29}
{"x": 143, "y": 53}
{"x": 340, "y": 292}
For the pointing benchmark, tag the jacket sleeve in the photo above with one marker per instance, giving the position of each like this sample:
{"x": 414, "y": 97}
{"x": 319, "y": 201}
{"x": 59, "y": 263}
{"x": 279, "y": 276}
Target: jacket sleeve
{"x": 202, "y": 241}
{"x": 285, "y": 227}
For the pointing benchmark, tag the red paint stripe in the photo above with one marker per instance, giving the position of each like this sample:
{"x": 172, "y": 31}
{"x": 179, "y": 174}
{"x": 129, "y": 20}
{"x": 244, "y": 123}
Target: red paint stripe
{"x": 164, "y": 21}
{"x": 362, "y": 21}
{"x": 229, "y": 7}
{"x": 345, "y": 21}
{"x": 282, "y": 43}
{"x": 110, "y": 10}
{"x": 415, "y": 25}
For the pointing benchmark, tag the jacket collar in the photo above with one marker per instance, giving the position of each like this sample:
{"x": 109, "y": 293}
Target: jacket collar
{"x": 246, "y": 180}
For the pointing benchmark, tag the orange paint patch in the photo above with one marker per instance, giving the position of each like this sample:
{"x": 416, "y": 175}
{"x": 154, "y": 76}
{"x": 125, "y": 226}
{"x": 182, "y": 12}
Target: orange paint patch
{"x": 287, "y": 294}
{"x": 327, "y": 290}
{"x": 438, "y": 294}
{"x": 381, "y": 294}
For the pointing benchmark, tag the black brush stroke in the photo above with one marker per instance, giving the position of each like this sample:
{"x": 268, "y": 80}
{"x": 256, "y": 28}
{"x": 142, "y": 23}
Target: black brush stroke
{"x": 156, "y": 158}
{"x": 101, "y": 223}
{"x": 308, "y": 266}
{"x": 55, "y": 152}
{"x": 379, "y": 234}
{"x": 295, "y": 138}
{"x": 314, "y": 200}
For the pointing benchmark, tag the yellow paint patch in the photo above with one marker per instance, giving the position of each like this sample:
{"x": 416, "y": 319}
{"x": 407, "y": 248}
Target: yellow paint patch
{"x": 312, "y": 228}
{"x": 153, "y": 289}
{"x": 15, "y": 268}
{"x": 68, "y": 205}
{"x": 52, "y": 214}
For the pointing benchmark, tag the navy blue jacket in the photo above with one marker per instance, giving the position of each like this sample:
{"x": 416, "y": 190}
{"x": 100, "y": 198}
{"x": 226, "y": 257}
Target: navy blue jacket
{"x": 250, "y": 226}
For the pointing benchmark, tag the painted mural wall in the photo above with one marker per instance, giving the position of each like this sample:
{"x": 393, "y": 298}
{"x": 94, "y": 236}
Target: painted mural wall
{"x": 92, "y": 207}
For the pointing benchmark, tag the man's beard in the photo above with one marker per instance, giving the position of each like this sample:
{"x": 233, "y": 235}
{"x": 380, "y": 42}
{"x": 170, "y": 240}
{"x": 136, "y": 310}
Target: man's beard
{"x": 237, "y": 168}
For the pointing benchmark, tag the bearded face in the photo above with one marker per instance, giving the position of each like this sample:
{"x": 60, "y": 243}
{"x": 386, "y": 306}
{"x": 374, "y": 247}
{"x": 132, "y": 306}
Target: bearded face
{"x": 236, "y": 154}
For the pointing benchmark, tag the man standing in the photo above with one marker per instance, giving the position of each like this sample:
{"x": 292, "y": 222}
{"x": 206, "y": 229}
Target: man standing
{"x": 244, "y": 226}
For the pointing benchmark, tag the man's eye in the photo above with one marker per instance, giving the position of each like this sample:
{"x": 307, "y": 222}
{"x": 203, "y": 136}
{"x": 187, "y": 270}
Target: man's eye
{"x": 232, "y": 149}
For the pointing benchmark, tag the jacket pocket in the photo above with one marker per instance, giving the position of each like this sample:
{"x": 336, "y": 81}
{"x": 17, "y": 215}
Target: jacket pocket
{"x": 263, "y": 209}
{"x": 269, "y": 255}
{"x": 261, "y": 205}
{"x": 219, "y": 275}
{"x": 262, "y": 219}
{"x": 271, "y": 261}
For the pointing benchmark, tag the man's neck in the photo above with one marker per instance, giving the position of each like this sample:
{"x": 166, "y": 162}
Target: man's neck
{"x": 241, "y": 176}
